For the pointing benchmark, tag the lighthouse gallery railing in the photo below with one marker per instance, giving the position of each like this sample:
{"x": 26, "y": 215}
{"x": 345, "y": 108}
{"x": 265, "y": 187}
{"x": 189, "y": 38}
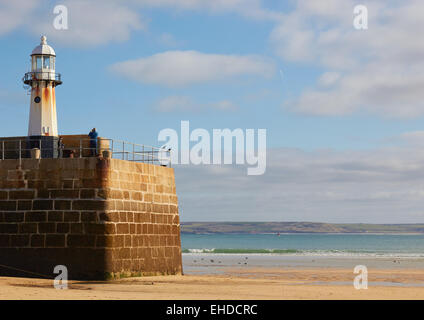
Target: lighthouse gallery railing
{"x": 42, "y": 75}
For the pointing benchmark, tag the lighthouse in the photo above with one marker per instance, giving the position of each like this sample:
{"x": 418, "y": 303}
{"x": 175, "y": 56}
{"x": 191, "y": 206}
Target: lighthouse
{"x": 42, "y": 80}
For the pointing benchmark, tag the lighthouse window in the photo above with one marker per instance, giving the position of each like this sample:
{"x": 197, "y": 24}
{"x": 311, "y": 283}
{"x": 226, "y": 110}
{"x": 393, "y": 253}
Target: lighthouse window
{"x": 39, "y": 64}
{"x": 37, "y": 99}
{"x": 46, "y": 62}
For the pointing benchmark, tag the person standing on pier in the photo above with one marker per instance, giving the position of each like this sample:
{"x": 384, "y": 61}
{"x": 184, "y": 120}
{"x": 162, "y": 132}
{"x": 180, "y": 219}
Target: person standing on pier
{"x": 93, "y": 142}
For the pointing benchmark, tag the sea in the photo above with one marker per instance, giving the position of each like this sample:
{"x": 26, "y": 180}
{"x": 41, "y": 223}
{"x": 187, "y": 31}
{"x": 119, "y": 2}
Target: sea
{"x": 310, "y": 244}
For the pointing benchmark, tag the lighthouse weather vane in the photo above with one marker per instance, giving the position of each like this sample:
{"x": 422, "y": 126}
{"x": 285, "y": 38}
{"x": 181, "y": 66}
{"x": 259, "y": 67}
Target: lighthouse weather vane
{"x": 42, "y": 80}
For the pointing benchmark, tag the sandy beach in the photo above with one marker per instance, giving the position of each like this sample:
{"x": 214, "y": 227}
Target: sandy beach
{"x": 296, "y": 278}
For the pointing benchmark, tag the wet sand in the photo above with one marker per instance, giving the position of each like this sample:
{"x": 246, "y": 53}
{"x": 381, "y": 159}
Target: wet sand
{"x": 260, "y": 278}
{"x": 214, "y": 263}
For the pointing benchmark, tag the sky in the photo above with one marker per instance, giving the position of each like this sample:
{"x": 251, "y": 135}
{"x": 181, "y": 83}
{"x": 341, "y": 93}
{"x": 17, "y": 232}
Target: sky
{"x": 343, "y": 108}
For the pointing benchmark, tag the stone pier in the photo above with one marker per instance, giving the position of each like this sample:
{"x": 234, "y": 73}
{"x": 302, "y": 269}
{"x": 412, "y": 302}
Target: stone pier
{"x": 101, "y": 218}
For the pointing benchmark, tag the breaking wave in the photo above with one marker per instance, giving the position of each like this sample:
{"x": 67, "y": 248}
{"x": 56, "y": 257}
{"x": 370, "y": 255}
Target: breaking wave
{"x": 300, "y": 252}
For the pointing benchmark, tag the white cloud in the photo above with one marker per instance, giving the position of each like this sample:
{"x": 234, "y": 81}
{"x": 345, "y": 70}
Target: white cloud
{"x": 384, "y": 90}
{"x": 91, "y": 23}
{"x": 252, "y": 9}
{"x": 182, "y": 68}
{"x": 328, "y": 79}
{"x": 97, "y": 22}
{"x": 14, "y": 13}
{"x": 380, "y": 69}
{"x": 383, "y": 185}
{"x": 175, "y": 103}
{"x": 413, "y": 138}
{"x": 224, "y": 105}
{"x": 186, "y": 104}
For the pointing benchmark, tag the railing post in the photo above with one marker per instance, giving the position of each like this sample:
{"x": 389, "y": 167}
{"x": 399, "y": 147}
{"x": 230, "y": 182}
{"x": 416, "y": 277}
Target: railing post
{"x": 2, "y": 148}
{"x": 123, "y": 150}
{"x": 133, "y": 152}
{"x": 80, "y": 152}
{"x": 20, "y": 150}
{"x": 169, "y": 157}
{"x": 41, "y": 154}
{"x": 112, "y": 150}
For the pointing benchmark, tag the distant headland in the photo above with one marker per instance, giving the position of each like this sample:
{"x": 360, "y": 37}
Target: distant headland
{"x": 298, "y": 227}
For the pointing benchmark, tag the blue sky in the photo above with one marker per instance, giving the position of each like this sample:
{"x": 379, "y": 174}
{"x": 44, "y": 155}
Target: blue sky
{"x": 322, "y": 89}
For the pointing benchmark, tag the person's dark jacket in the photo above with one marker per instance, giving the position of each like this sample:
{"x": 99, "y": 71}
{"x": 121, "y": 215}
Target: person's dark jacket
{"x": 93, "y": 135}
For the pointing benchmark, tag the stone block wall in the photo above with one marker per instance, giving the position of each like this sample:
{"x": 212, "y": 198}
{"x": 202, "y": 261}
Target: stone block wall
{"x": 101, "y": 218}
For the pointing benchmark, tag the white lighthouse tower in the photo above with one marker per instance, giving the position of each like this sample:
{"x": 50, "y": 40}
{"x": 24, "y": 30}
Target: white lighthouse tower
{"x": 42, "y": 79}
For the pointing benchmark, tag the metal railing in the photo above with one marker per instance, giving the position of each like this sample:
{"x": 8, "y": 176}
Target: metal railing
{"x": 51, "y": 147}
{"x": 138, "y": 152}
{"x": 40, "y": 75}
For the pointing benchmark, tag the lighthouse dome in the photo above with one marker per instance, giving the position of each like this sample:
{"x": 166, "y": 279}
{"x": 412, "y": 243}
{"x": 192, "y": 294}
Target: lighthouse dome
{"x": 43, "y": 48}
